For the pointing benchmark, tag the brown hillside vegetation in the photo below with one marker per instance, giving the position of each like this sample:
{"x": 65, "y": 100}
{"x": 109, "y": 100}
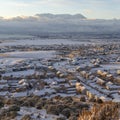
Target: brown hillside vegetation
{"x": 104, "y": 111}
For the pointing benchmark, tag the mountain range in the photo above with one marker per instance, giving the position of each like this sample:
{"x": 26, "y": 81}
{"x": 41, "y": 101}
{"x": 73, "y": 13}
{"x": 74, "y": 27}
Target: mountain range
{"x": 40, "y": 23}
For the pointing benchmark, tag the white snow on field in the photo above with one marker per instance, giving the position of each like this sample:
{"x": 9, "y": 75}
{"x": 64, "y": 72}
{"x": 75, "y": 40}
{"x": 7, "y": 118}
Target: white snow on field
{"x": 43, "y": 42}
{"x": 111, "y": 66}
{"x": 20, "y": 73}
{"x": 42, "y": 92}
{"x": 19, "y": 94}
{"x": 4, "y": 93}
{"x": 36, "y": 114}
{"x": 12, "y": 58}
{"x": 31, "y": 54}
{"x": 4, "y": 86}
{"x": 10, "y": 61}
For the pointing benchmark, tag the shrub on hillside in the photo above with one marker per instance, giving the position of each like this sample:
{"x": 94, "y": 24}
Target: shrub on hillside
{"x": 105, "y": 111}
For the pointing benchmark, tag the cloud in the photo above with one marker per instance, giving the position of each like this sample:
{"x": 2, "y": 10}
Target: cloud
{"x": 40, "y": 23}
{"x": 19, "y": 4}
{"x": 49, "y": 18}
{"x": 88, "y": 11}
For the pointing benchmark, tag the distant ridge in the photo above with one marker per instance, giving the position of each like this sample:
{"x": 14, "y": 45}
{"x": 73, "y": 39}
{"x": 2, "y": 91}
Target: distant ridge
{"x": 48, "y": 16}
{"x": 57, "y": 23}
{"x": 63, "y": 16}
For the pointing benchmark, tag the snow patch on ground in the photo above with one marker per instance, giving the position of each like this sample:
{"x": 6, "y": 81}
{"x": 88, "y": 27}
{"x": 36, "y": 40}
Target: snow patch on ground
{"x": 35, "y": 114}
{"x": 31, "y": 54}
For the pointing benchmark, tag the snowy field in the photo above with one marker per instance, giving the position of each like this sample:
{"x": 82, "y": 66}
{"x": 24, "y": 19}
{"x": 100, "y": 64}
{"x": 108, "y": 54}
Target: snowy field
{"x": 36, "y": 114}
{"x": 10, "y": 61}
{"x": 30, "y": 54}
{"x": 45, "y": 42}
{"x": 12, "y": 58}
{"x": 111, "y": 66}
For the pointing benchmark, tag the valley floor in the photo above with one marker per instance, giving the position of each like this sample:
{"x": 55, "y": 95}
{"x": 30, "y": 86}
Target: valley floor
{"x": 59, "y": 75}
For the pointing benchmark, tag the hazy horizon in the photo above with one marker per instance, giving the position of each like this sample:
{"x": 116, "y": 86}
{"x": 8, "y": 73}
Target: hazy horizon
{"x": 26, "y": 16}
{"x": 92, "y": 9}
{"x": 38, "y": 16}
{"x": 40, "y": 23}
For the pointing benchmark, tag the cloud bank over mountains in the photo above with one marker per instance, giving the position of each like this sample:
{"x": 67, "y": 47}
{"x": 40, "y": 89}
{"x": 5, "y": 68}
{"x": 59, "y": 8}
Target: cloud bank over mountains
{"x": 47, "y": 17}
{"x": 56, "y": 23}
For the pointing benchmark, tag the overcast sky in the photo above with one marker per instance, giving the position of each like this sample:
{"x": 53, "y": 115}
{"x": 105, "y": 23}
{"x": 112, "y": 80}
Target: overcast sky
{"x": 103, "y": 9}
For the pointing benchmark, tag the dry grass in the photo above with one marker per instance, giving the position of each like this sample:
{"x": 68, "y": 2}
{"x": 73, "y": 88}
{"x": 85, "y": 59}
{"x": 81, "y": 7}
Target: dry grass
{"x": 105, "y": 111}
